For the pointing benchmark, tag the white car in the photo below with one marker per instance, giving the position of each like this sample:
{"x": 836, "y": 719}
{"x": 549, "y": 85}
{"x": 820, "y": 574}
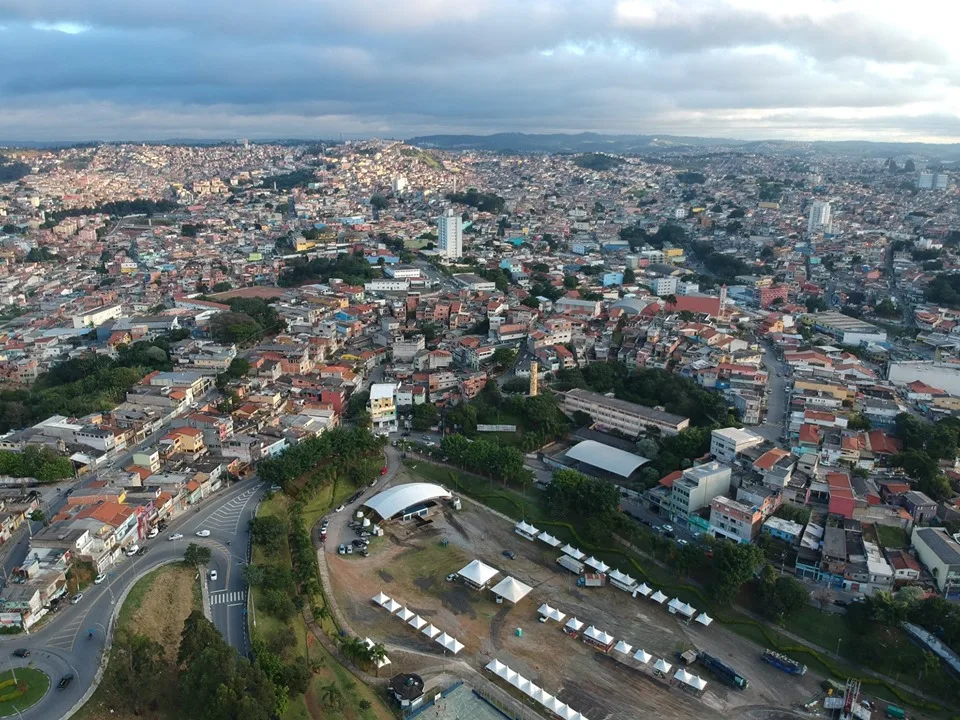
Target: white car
{"x": 153, "y": 533}
{"x": 176, "y": 536}
{"x": 213, "y": 575}
{"x": 132, "y": 550}
{"x": 203, "y": 533}
{"x": 99, "y": 579}
{"x": 340, "y": 508}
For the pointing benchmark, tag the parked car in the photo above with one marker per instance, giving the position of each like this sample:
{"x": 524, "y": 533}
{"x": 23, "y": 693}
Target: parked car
{"x": 342, "y": 550}
{"x": 76, "y": 598}
{"x": 21, "y": 652}
{"x": 132, "y": 550}
{"x": 349, "y": 549}
{"x": 65, "y": 681}
{"x": 99, "y": 578}
{"x": 153, "y": 533}
{"x": 383, "y": 470}
{"x": 451, "y": 577}
{"x": 213, "y": 575}
{"x": 142, "y": 551}
{"x": 176, "y": 536}
{"x": 340, "y": 508}
{"x": 510, "y": 554}
{"x": 681, "y": 542}
{"x": 668, "y": 527}
{"x": 203, "y": 533}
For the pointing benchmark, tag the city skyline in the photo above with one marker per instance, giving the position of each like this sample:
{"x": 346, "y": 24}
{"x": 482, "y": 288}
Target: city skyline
{"x": 734, "y": 68}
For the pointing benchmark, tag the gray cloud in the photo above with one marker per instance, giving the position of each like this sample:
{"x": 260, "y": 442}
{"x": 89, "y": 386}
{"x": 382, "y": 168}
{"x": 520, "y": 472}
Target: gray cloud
{"x": 309, "y": 68}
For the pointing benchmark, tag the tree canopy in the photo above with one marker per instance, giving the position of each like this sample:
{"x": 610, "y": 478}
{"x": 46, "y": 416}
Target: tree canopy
{"x": 574, "y": 495}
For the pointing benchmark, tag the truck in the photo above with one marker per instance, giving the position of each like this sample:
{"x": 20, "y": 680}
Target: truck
{"x": 568, "y": 563}
{"x": 724, "y": 672}
{"x": 592, "y": 580}
{"x": 895, "y": 712}
{"x": 782, "y": 662}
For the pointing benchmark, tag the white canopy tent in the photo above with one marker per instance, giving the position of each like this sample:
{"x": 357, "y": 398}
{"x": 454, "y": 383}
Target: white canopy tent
{"x": 381, "y": 599}
{"x": 622, "y": 580}
{"x": 417, "y": 622}
{"x": 573, "y": 624}
{"x": 548, "y": 539}
{"x": 405, "y": 614}
{"x": 674, "y": 605}
{"x": 572, "y": 552}
{"x": 658, "y": 597}
{"x": 623, "y": 647}
{"x": 526, "y": 530}
{"x": 448, "y": 642}
{"x": 430, "y": 631}
{"x": 662, "y": 666}
{"x": 495, "y": 666}
{"x": 382, "y": 662}
{"x": 517, "y": 680}
{"x": 511, "y": 589}
{"x": 642, "y": 656}
{"x": 526, "y": 687}
{"x": 599, "y": 636}
{"x": 598, "y": 565}
{"x": 698, "y": 682}
{"x": 683, "y": 676}
{"x": 392, "y": 606}
{"x": 704, "y": 619}
{"x": 511, "y": 676}
{"x": 478, "y": 573}
{"x": 688, "y": 610}
{"x": 551, "y": 613}
{"x": 645, "y": 590}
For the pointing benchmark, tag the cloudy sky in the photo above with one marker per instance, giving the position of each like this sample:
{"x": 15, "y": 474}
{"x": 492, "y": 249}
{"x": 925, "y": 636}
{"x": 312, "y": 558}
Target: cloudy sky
{"x": 803, "y": 69}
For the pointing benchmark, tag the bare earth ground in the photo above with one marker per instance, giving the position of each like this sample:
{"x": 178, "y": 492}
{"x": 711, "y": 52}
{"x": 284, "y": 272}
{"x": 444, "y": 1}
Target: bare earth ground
{"x": 410, "y": 565}
{"x": 160, "y": 617}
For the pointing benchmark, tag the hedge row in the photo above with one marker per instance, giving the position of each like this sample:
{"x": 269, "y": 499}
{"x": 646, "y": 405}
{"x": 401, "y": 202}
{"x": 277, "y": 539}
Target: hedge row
{"x": 772, "y": 640}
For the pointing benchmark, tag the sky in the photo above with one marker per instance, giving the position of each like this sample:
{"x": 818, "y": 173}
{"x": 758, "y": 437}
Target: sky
{"x": 209, "y": 69}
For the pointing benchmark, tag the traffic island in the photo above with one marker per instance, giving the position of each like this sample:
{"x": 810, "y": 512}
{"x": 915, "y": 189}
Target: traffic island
{"x": 20, "y": 689}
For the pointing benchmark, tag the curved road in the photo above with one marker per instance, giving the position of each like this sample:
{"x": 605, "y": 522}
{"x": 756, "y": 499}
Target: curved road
{"x": 62, "y": 645}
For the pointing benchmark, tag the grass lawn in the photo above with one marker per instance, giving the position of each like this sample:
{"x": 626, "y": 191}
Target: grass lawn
{"x": 33, "y": 683}
{"x": 892, "y": 537}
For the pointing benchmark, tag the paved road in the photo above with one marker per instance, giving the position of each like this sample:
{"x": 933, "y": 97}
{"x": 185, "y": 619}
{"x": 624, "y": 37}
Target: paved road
{"x": 61, "y": 646}
{"x": 774, "y": 424}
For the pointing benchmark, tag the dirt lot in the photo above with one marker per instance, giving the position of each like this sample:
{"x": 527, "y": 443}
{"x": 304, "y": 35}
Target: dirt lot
{"x": 410, "y": 565}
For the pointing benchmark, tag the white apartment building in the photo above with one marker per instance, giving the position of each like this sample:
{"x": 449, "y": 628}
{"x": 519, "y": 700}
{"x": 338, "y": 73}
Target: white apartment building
{"x": 629, "y": 418}
{"x": 95, "y": 318}
{"x": 697, "y": 488}
{"x": 726, "y": 443}
{"x": 450, "y": 234}
{"x": 819, "y": 218}
{"x": 664, "y": 286}
{"x": 940, "y": 554}
{"x": 383, "y": 407}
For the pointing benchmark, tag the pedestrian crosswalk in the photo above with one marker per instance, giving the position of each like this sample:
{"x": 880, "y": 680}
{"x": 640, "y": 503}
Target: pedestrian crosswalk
{"x": 228, "y": 597}
{"x": 227, "y": 516}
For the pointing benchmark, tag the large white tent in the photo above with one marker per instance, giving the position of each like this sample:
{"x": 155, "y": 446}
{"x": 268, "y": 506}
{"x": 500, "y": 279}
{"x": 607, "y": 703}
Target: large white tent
{"x": 658, "y": 597}
{"x": 642, "y": 656}
{"x": 662, "y": 666}
{"x": 698, "y": 682}
{"x": 495, "y": 666}
{"x": 448, "y": 642}
{"x": 526, "y": 530}
{"x": 688, "y": 610}
{"x": 382, "y": 662}
{"x": 405, "y": 614}
{"x": 548, "y": 539}
{"x": 683, "y": 676}
{"x": 622, "y": 580}
{"x": 511, "y": 589}
{"x": 623, "y": 647}
{"x": 531, "y": 689}
{"x": 573, "y": 624}
{"x": 381, "y": 599}
{"x": 644, "y": 589}
{"x": 704, "y": 619}
{"x": 598, "y": 636}
{"x": 392, "y": 606}
{"x": 430, "y": 631}
{"x": 478, "y": 573}
{"x": 598, "y": 565}
{"x": 675, "y": 605}
{"x": 572, "y": 552}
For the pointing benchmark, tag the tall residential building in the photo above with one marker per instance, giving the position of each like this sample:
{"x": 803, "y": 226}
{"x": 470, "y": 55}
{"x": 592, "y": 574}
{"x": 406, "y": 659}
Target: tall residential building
{"x": 450, "y": 234}
{"x": 399, "y": 184}
{"x": 819, "y": 217}
{"x": 932, "y": 181}
{"x": 697, "y": 488}
{"x": 383, "y": 407}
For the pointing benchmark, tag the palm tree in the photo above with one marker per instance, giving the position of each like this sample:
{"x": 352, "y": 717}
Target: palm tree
{"x": 377, "y": 653}
{"x": 332, "y": 696}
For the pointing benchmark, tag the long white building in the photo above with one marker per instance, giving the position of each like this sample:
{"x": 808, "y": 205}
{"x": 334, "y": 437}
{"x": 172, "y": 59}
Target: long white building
{"x": 450, "y": 234}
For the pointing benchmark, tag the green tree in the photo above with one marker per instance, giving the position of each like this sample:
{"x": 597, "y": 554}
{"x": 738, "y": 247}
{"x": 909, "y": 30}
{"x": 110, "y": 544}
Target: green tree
{"x": 425, "y": 416}
{"x": 222, "y": 286}
{"x": 332, "y": 697}
{"x": 269, "y": 532}
{"x": 734, "y": 565}
{"x": 196, "y": 555}
{"x": 573, "y": 494}
{"x": 233, "y": 327}
{"x": 629, "y": 276}
{"x": 504, "y": 357}
{"x": 378, "y": 202}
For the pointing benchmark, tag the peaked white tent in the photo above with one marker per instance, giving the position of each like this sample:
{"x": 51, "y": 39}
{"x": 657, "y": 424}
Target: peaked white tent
{"x": 622, "y": 580}
{"x": 381, "y": 599}
{"x": 417, "y": 622}
{"x": 478, "y": 573}
{"x": 566, "y": 712}
{"x": 683, "y": 676}
{"x": 645, "y": 590}
{"x": 548, "y": 539}
{"x": 511, "y": 676}
{"x": 495, "y": 666}
{"x": 448, "y": 642}
{"x": 662, "y": 665}
{"x": 623, "y": 647}
{"x": 698, "y": 682}
{"x": 704, "y": 619}
{"x": 517, "y": 680}
{"x": 392, "y": 606}
{"x": 525, "y": 687}
{"x": 674, "y": 605}
{"x": 573, "y": 624}
{"x": 642, "y": 656}
{"x": 598, "y": 565}
{"x": 658, "y": 597}
{"x": 405, "y": 614}
{"x": 688, "y": 610}
{"x": 598, "y": 636}
{"x": 553, "y": 705}
{"x": 550, "y": 613}
{"x": 430, "y": 631}
{"x": 526, "y": 530}
{"x": 572, "y": 552}
{"x": 511, "y": 589}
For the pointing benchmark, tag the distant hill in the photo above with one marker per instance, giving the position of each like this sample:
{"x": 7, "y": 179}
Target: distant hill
{"x": 588, "y": 142}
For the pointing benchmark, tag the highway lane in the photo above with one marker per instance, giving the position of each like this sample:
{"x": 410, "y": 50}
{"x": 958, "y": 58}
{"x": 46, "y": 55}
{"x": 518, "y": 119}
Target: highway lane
{"x": 63, "y": 644}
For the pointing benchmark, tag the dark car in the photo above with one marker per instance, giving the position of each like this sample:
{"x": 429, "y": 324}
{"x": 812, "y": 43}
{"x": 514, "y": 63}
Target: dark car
{"x": 510, "y": 554}
{"x": 142, "y": 550}
{"x": 64, "y": 681}
{"x": 21, "y": 652}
